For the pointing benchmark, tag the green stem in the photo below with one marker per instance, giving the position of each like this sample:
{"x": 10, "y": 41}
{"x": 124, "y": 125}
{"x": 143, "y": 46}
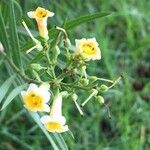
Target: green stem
{"x": 115, "y": 82}
{"x": 102, "y": 79}
{"x": 17, "y": 70}
{"x": 51, "y": 67}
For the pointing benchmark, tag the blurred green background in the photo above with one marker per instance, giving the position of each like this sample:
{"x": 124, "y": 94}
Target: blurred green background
{"x": 124, "y": 38}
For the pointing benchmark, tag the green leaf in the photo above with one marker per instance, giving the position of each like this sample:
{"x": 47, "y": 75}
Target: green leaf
{"x": 36, "y": 118}
{"x": 13, "y": 35}
{"x": 15, "y": 92}
{"x": 5, "y": 87}
{"x": 73, "y": 23}
{"x": 37, "y": 57}
{"x": 3, "y": 35}
{"x": 61, "y": 141}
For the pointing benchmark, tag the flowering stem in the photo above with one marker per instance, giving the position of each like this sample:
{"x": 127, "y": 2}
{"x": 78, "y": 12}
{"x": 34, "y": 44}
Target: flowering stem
{"x": 78, "y": 107}
{"x": 102, "y": 79}
{"x": 115, "y": 82}
{"x": 27, "y": 29}
{"x": 93, "y": 94}
{"x": 49, "y": 62}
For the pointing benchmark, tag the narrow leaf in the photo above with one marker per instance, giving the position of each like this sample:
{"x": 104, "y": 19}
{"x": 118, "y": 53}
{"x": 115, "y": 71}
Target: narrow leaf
{"x": 73, "y": 23}
{"x": 3, "y": 35}
{"x": 36, "y": 118}
{"x": 13, "y": 35}
{"x": 61, "y": 141}
{"x": 15, "y": 92}
{"x": 5, "y": 87}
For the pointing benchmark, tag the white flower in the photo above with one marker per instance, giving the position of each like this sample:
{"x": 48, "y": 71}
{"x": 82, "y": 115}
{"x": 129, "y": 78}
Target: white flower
{"x": 55, "y": 122}
{"x": 41, "y": 15}
{"x": 88, "y": 48}
{"x": 36, "y": 98}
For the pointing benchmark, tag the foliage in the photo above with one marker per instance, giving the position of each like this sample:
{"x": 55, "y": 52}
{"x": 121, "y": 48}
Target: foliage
{"x": 123, "y": 38}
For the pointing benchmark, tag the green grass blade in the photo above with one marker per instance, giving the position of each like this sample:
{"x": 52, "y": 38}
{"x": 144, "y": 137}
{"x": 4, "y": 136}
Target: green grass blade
{"x": 14, "y": 36}
{"x": 16, "y": 139}
{"x": 3, "y": 35}
{"x": 36, "y": 118}
{"x": 15, "y": 92}
{"x": 73, "y": 23}
{"x": 61, "y": 141}
{"x": 5, "y": 87}
{"x": 76, "y": 22}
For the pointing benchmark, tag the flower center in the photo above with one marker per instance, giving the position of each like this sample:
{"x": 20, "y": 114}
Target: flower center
{"x": 54, "y": 127}
{"x": 33, "y": 101}
{"x": 40, "y": 13}
{"x": 89, "y": 49}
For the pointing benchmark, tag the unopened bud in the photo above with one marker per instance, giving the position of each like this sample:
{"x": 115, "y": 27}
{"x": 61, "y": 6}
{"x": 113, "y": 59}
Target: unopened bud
{"x": 1, "y": 48}
{"x": 103, "y": 88}
{"x": 74, "y": 96}
{"x": 39, "y": 46}
{"x": 100, "y": 99}
{"x": 94, "y": 92}
{"x": 92, "y": 79}
{"x": 36, "y": 67}
{"x": 84, "y": 82}
{"x": 64, "y": 94}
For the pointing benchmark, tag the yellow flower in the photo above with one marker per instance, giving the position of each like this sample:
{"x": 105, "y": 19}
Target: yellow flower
{"x": 88, "y": 48}
{"x": 36, "y": 98}
{"x": 55, "y": 122}
{"x": 41, "y": 15}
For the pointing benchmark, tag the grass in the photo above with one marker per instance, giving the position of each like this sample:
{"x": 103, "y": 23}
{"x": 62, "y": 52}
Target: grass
{"x": 124, "y": 41}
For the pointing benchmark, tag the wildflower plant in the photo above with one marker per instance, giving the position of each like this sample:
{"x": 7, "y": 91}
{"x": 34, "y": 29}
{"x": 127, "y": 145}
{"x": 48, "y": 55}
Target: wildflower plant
{"x": 55, "y": 70}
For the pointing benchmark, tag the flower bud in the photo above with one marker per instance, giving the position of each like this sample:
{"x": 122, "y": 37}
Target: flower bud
{"x": 103, "y": 88}
{"x": 1, "y": 48}
{"x": 94, "y": 92}
{"x": 100, "y": 99}
{"x": 64, "y": 94}
{"x": 39, "y": 46}
{"x": 92, "y": 79}
{"x": 84, "y": 82}
{"x": 74, "y": 96}
{"x": 36, "y": 67}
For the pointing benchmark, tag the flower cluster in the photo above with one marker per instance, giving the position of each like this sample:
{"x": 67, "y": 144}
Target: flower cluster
{"x": 55, "y": 80}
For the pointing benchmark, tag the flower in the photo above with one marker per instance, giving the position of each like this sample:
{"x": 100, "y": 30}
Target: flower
{"x": 55, "y": 122}
{"x": 41, "y": 15}
{"x": 36, "y": 98}
{"x": 88, "y": 48}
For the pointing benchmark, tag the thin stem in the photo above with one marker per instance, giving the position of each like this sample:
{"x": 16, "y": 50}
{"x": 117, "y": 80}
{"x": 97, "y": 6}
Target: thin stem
{"x": 19, "y": 71}
{"x": 25, "y": 26}
{"x": 102, "y": 79}
{"x": 76, "y": 86}
{"x": 115, "y": 82}
{"x": 78, "y": 107}
{"x": 51, "y": 67}
{"x": 92, "y": 94}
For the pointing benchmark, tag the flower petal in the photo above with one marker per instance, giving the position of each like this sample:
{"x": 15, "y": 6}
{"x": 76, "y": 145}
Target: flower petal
{"x": 50, "y": 14}
{"x": 46, "y": 108}
{"x": 31, "y": 14}
{"x": 32, "y": 87}
{"x": 23, "y": 93}
{"x": 45, "y": 119}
